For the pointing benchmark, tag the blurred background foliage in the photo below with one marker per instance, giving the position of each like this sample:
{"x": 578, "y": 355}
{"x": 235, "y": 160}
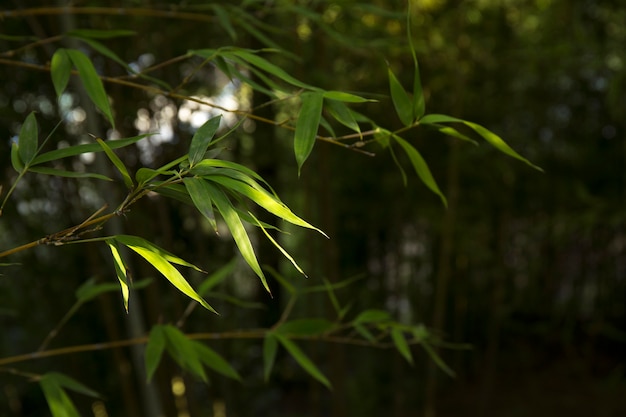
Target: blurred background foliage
{"x": 528, "y": 268}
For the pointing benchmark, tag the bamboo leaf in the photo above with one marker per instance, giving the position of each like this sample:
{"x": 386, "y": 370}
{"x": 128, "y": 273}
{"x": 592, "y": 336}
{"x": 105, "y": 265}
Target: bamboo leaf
{"x": 60, "y": 70}
{"x": 68, "y": 174}
{"x": 201, "y": 139}
{"x": 270, "y": 347}
{"x": 226, "y": 209}
{"x": 16, "y": 161}
{"x": 120, "y": 270}
{"x": 90, "y": 290}
{"x": 372, "y": 316}
{"x": 342, "y": 114}
{"x": 345, "y": 97}
{"x": 163, "y": 265}
{"x": 216, "y": 277}
{"x": 214, "y": 361}
{"x": 117, "y": 162}
{"x": 268, "y": 67}
{"x": 307, "y": 125}
{"x": 207, "y": 166}
{"x": 154, "y": 350}
{"x": 59, "y": 402}
{"x": 418, "y": 104}
{"x": 65, "y": 381}
{"x": 306, "y": 327}
{"x": 135, "y": 240}
{"x": 224, "y": 20}
{"x": 400, "y": 99}
{"x": 421, "y": 168}
{"x": 401, "y": 344}
{"x": 184, "y": 351}
{"x": 28, "y": 139}
{"x": 197, "y": 188}
{"x": 86, "y": 148}
{"x": 91, "y": 81}
{"x": 437, "y": 359}
{"x": 100, "y": 34}
{"x": 302, "y": 359}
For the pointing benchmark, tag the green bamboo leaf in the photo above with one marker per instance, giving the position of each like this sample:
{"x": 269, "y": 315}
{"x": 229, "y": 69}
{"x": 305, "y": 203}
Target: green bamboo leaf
{"x": 401, "y": 100}
{"x": 100, "y": 34}
{"x": 450, "y": 131}
{"x": 418, "y": 105}
{"x": 345, "y": 97}
{"x": 291, "y": 289}
{"x": 59, "y": 402}
{"x": 60, "y": 70}
{"x": 372, "y": 316}
{"x": 201, "y": 139}
{"x": 302, "y": 359}
{"x": 200, "y": 197}
{"x": 91, "y": 81}
{"x": 306, "y": 327}
{"x": 117, "y": 162}
{"x": 90, "y": 290}
{"x": 363, "y": 331}
{"x": 214, "y": 361}
{"x": 326, "y": 125}
{"x": 85, "y": 148}
{"x": 421, "y": 168}
{"x": 224, "y": 20}
{"x": 154, "y": 350}
{"x": 270, "y": 347}
{"x": 342, "y": 114}
{"x": 65, "y": 381}
{"x": 437, "y": 359}
{"x": 486, "y": 134}
{"x": 68, "y": 174}
{"x": 28, "y": 139}
{"x": 275, "y": 243}
{"x": 135, "y": 240}
{"x": 120, "y": 270}
{"x": 163, "y": 265}
{"x": 264, "y": 199}
{"x": 207, "y": 167}
{"x": 174, "y": 191}
{"x": 307, "y": 125}
{"x": 226, "y": 209}
{"x": 184, "y": 351}
{"x": 16, "y": 161}
{"x": 268, "y": 67}
{"x": 216, "y": 277}
{"x": 401, "y": 344}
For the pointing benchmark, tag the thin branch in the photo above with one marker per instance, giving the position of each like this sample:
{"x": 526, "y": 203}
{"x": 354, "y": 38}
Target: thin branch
{"x": 106, "y": 11}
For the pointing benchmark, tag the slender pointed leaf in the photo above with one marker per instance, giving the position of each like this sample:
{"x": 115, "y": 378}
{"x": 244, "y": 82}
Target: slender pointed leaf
{"x": 59, "y": 402}
{"x": 421, "y": 168}
{"x": 302, "y": 359}
{"x": 216, "y": 277}
{"x": 68, "y": 174}
{"x": 372, "y": 316}
{"x": 437, "y": 359}
{"x": 117, "y": 162}
{"x": 307, "y": 125}
{"x": 202, "y": 166}
{"x": 91, "y": 81}
{"x": 135, "y": 240}
{"x": 90, "y": 290}
{"x": 184, "y": 351}
{"x": 200, "y": 197}
{"x": 270, "y": 68}
{"x": 363, "y": 331}
{"x": 60, "y": 70}
{"x": 401, "y": 344}
{"x": 345, "y": 97}
{"x": 418, "y": 104}
{"x": 270, "y": 347}
{"x": 28, "y": 139}
{"x": 342, "y": 114}
{"x": 120, "y": 270}
{"x": 154, "y": 350}
{"x": 65, "y": 381}
{"x": 16, "y": 161}
{"x": 401, "y": 100}
{"x": 201, "y": 139}
{"x": 214, "y": 361}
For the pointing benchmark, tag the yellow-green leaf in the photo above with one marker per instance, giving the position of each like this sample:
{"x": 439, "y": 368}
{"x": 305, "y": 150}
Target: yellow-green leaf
{"x": 401, "y": 344}
{"x": 60, "y": 70}
{"x": 120, "y": 270}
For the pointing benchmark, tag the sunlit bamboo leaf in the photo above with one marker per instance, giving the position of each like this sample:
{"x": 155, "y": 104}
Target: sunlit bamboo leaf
{"x": 214, "y": 361}
{"x": 16, "y": 161}
{"x": 68, "y": 174}
{"x": 154, "y": 350}
{"x": 205, "y": 167}
{"x": 401, "y": 344}
{"x": 450, "y": 131}
{"x": 200, "y": 197}
{"x": 306, "y": 327}
{"x": 201, "y": 139}
{"x": 120, "y": 271}
{"x": 270, "y": 347}
{"x": 400, "y": 99}
{"x": 307, "y": 125}
{"x": 226, "y": 209}
{"x": 85, "y": 148}
{"x": 60, "y": 70}
{"x": 117, "y": 162}
{"x": 154, "y": 256}
{"x": 91, "y": 81}
{"x": 421, "y": 168}
{"x": 302, "y": 359}
{"x": 135, "y": 240}
{"x": 184, "y": 351}
{"x": 28, "y": 139}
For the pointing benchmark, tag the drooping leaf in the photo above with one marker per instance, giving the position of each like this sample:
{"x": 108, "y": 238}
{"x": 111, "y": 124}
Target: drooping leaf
{"x": 184, "y": 351}
{"x": 28, "y": 139}
{"x": 154, "y": 350}
{"x": 437, "y": 359}
{"x": 214, "y": 361}
{"x": 92, "y": 83}
{"x": 60, "y": 70}
{"x": 306, "y": 327}
{"x": 226, "y": 209}
{"x": 201, "y": 198}
{"x": 270, "y": 347}
{"x": 135, "y": 240}
{"x": 401, "y": 344}
{"x": 174, "y": 191}
{"x": 117, "y": 162}
{"x": 120, "y": 270}
{"x": 302, "y": 359}
{"x": 207, "y": 167}
{"x": 342, "y": 114}
{"x": 421, "y": 168}
{"x": 65, "y": 381}
{"x": 307, "y": 125}
{"x": 268, "y": 67}
{"x": 163, "y": 265}
{"x": 16, "y": 161}
{"x": 85, "y": 148}
{"x": 68, "y": 174}
{"x": 59, "y": 402}
{"x": 201, "y": 139}
{"x": 400, "y": 99}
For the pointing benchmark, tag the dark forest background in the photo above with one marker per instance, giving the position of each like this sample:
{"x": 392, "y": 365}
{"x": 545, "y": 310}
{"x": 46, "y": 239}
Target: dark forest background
{"x": 528, "y": 268}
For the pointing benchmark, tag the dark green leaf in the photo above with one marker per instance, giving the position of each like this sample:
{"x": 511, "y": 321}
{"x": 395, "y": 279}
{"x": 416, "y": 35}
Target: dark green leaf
{"x": 154, "y": 350}
{"x": 184, "y": 351}
{"x": 200, "y": 197}
{"x": 401, "y": 100}
{"x": 307, "y": 125}
{"x": 437, "y": 359}
{"x": 224, "y": 19}
{"x": 201, "y": 139}
{"x": 59, "y": 402}
{"x": 363, "y": 331}
{"x": 342, "y": 114}
{"x": 214, "y": 361}
{"x": 117, "y": 162}
{"x": 372, "y": 316}
{"x": 401, "y": 344}
{"x": 16, "y": 161}
{"x": 268, "y": 67}
{"x": 60, "y": 70}
{"x": 28, "y": 139}
{"x": 68, "y": 174}
{"x": 90, "y": 290}
{"x": 270, "y": 347}
{"x": 65, "y": 381}
{"x": 302, "y": 359}
{"x": 345, "y": 97}
{"x": 100, "y": 34}
{"x": 216, "y": 277}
